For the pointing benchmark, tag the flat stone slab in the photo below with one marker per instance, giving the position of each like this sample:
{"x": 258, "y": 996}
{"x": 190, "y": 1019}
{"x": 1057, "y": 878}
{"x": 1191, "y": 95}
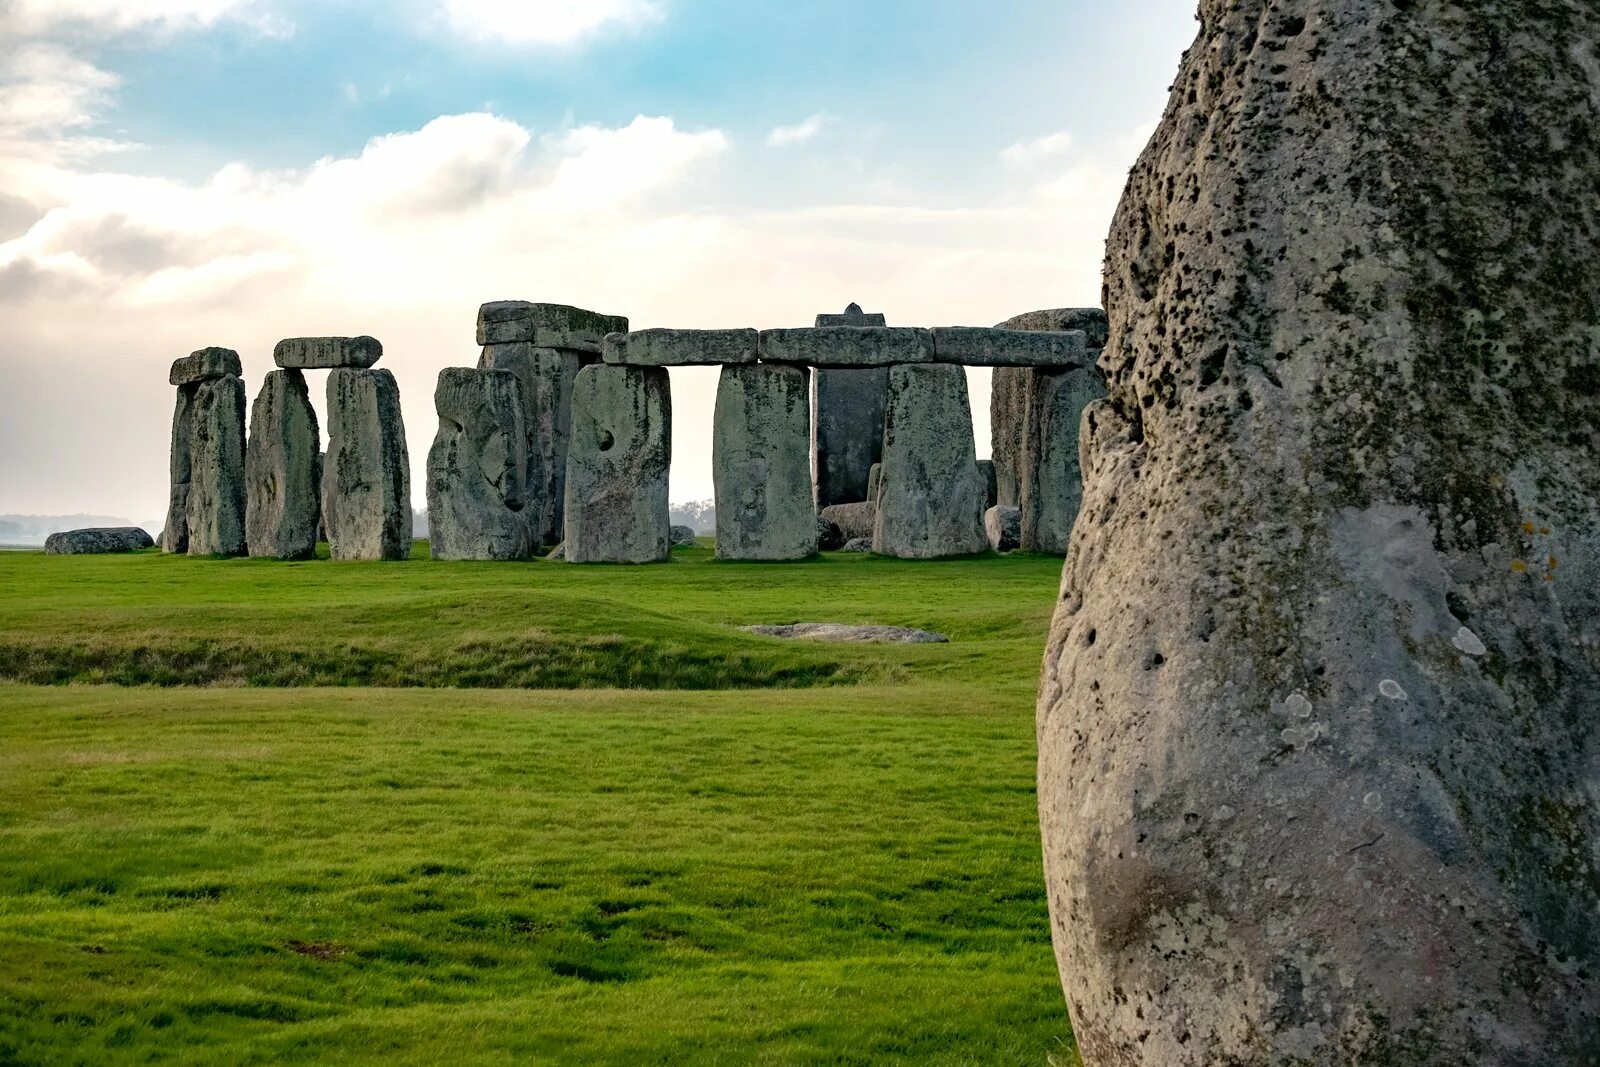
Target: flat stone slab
{"x": 976, "y": 346}
{"x": 848, "y": 346}
{"x": 205, "y": 365}
{"x": 838, "y": 631}
{"x": 327, "y": 353}
{"x": 97, "y": 541}
{"x": 546, "y": 325}
{"x": 682, "y": 348}
{"x": 1092, "y": 321}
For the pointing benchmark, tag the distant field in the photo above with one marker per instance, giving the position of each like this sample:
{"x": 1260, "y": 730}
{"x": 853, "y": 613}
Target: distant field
{"x": 433, "y": 812}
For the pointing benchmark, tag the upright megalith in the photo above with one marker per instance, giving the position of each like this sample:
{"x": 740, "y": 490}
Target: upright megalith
{"x": 366, "y": 485}
{"x": 931, "y": 497}
{"x": 761, "y": 464}
{"x": 1009, "y": 397}
{"x": 216, "y": 499}
{"x": 175, "y": 534}
{"x": 189, "y": 375}
{"x": 1317, "y": 724}
{"x": 617, "y": 466}
{"x": 1051, "y": 478}
{"x": 847, "y": 417}
{"x": 283, "y": 470}
{"x": 477, "y": 468}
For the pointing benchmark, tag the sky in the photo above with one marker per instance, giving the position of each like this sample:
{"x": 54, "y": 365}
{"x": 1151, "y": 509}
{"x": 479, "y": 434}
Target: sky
{"x": 176, "y": 174}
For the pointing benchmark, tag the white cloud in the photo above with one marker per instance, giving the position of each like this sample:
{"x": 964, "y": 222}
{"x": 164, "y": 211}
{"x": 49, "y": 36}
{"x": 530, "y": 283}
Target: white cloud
{"x": 546, "y": 22}
{"x": 799, "y": 133}
{"x": 45, "y": 90}
{"x": 31, "y": 17}
{"x": 1037, "y": 150}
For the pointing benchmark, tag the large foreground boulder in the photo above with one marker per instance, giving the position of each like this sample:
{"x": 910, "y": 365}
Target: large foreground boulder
{"x": 477, "y": 468}
{"x": 366, "y": 486}
{"x": 216, "y": 495}
{"x": 283, "y": 470}
{"x": 98, "y": 541}
{"x": 761, "y": 464}
{"x": 1319, "y": 770}
{"x": 930, "y": 495}
{"x": 617, "y": 466}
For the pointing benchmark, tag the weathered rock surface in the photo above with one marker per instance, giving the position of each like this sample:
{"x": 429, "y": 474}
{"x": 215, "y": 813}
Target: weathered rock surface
{"x": 216, "y": 498}
{"x": 874, "y": 477}
{"x": 326, "y": 353}
{"x": 1003, "y": 524}
{"x": 1317, "y": 727}
{"x": 682, "y": 348}
{"x": 206, "y": 365}
{"x": 682, "y": 536}
{"x": 829, "y": 537}
{"x": 175, "y": 534}
{"x": 853, "y": 316}
{"x": 1092, "y": 321}
{"x": 546, "y": 376}
{"x": 857, "y": 544}
{"x": 847, "y": 411}
{"x": 837, "y": 631}
{"x": 546, "y": 325}
{"x": 761, "y": 464}
{"x": 1051, "y": 475}
{"x": 853, "y": 520}
{"x": 477, "y": 468}
{"x": 99, "y": 541}
{"x": 991, "y": 486}
{"x": 848, "y": 346}
{"x": 930, "y": 499}
{"x": 975, "y": 346}
{"x": 283, "y": 470}
{"x": 366, "y": 487}
{"x": 1008, "y": 419}
{"x": 617, "y": 466}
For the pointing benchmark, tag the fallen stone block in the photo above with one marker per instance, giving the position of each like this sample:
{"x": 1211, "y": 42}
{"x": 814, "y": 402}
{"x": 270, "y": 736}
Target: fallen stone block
{"x": 99, "y": 541}
{"x": 1003, "y": 524}
{"x": 682, "y": 537}
{"x": 854, "y": 520}
{"x": 327, "y": 353}
{"x": 682, "y": 348}
{"x": 857, "y": 544}
{"x": 843, "y": 632}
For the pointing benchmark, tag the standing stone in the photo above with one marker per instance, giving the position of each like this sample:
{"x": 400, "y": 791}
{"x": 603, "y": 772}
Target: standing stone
{"x": 761, "y": 464}
{"x": 477, "y": 468}
{"x": 283, "y": 470}
{"x": 175, "y": 534}
{"x": 847, "y": 419}
{"x": 366, "y": 486}
{"x": 991, "y": 489}
{"x": 1319, "y": 766}
{"x": 1008, "y": 397}
{"x": 874, "y": 476}
{"x": 546, "y": 377}
{"x": 216, "y": 499}
{"x": 1052, "y": 479}
{"x": 617, "y": 466}
{"x": 931, "y": 497}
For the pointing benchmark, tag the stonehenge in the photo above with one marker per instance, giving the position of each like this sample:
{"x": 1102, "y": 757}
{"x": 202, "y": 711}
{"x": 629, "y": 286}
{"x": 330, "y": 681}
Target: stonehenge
{"x": 761, "y": 463}
{"x": 617, "y": 466}
{"x": 478, "y": 468}
{"x": 283, "y": 470}
{"x": 562, "y": 435}
{"x": 366, "y": 486}
{"x": 1316, "y": 724}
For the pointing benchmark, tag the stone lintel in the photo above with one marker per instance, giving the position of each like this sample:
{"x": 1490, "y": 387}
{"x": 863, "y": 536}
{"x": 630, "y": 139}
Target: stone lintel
{"x": 682, "y": 348}
{"x": 978, "y": 347}
{"x": 327, "y": 353}
{"x": 546, "y": 325}
{"x": 848, "y": 346}
{"x": 206, "y": 365}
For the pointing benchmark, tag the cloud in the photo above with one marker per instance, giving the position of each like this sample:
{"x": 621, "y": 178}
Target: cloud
{"x": 1028, "y": 153}
{"x": 783, "y": 136}
{"x": 45, "y": 90}
{"x": 546, "y": 22}
{"x": 109, "y": 17}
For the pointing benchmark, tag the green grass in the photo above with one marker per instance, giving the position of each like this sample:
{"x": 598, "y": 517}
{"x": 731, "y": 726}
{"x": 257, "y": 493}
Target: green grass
{"x": 705, "y": 847}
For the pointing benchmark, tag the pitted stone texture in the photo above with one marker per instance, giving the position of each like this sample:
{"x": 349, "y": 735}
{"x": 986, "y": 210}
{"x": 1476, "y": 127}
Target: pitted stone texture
{"x": 617, "y": 466}
{"x": 1003, "y": 524}
{"x": 853, "y": 520}
{"x": 206, "y": 365}
{"x": 546, "y": 325}
{"x": 682, "y": 348}
{"x": 829, "y": 537}
{"x": 991, "y": 488}
{"x": 858, "y": 544}
{"x": 326, "y": 353}
{"x": 761, "y": 464}
{"x": 682, "y": 536}
{"x": 366, "y": 487}
{"x": 930, "y": 499}
{"x": 283, "y": 470}
{"x": 216, "y": 479}
{"x": 1052, "y": 478}
{"x": 1008, "y": 418}
{"x": 477, "y": 468}
{"x": 175, "y": 534}
{"x": 973, "y": 346}
{"x": 1092, "y": 321}
{"x": 1317, "y": 724}
{"x": 853, "y": 316}
{"x": 874, "y": 477}
{"x": 847, "y": 410}
{"x": 546, "y": 376}
{"x": 848, "y": 346}
{"x": 101, "y": 541}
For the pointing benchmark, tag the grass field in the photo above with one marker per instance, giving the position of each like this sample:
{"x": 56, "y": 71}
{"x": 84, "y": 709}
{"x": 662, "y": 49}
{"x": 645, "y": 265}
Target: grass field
{"x": 432, "y": 812}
